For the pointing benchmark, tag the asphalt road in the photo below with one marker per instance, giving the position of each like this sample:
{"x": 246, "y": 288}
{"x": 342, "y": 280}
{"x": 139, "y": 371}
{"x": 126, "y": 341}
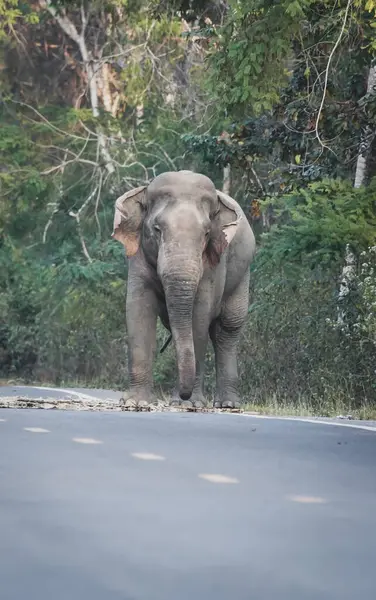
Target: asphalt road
{"x": 181, "y": 506}
{"x": 57, "y": 393}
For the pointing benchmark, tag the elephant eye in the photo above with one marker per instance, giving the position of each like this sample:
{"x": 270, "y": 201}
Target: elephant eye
{"x": 157, "y": 228}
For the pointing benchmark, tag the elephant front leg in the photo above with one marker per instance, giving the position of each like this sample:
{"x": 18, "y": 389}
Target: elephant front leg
{"x": 225, "y": 344}
{"x": 225, "y": 334}
{"x": 141, "y": 321}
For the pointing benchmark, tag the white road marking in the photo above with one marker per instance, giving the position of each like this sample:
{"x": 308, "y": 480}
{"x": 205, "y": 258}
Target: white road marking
{"x": 147, "y": 456}
{"x": 2, "y": 420}
{"x": 308, "y": 499}
{"x": 216, "y": 478}
{"x": 87, "y": 441}
{"x": 303, "y": 420}
{"x": 36, "y": 429}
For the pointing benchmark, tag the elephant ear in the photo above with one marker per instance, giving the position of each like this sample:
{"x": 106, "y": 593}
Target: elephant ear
{"x": 128, "y": 218}
{"x": 224, "y": 227}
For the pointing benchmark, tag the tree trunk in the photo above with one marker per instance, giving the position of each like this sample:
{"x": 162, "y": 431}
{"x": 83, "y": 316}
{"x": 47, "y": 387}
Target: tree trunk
{"x": 368, "y": 134}
{"x": 226, "y": 187}
{"x": 103, "y": 76}
{"x": 70, "y": 30}
{"x": 139, "y": 114}
{"x": 349, "y": 268}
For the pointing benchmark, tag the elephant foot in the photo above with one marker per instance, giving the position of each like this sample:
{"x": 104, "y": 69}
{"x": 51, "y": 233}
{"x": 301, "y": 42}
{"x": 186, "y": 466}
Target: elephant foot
{"x": 135, "y": 400}
{"x": 229, "y": 401}
{"x": 196, "y": 401}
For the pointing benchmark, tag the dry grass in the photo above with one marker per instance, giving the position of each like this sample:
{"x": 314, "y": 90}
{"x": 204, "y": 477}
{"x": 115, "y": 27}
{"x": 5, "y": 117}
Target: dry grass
{"x": 303, "y": 408}
{"x": 272, "y": 406}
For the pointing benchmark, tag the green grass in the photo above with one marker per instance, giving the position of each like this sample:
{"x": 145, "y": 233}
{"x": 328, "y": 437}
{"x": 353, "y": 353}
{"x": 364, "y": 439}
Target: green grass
{"x": 303, "y": 408}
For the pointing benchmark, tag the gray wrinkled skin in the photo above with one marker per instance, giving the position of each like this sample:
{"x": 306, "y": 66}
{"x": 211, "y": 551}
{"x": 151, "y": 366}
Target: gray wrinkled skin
{"x": 189, "y": 248}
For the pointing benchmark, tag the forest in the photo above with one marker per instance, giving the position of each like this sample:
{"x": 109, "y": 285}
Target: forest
{"x": 274, "y": 100}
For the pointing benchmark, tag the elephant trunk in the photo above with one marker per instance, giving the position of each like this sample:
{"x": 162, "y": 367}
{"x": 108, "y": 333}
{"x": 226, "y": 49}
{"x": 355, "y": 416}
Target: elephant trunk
{"x": 180, "y": 288}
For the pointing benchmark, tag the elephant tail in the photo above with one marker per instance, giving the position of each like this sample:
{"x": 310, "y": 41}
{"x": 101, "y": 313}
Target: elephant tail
{"x": 167, "y": 343}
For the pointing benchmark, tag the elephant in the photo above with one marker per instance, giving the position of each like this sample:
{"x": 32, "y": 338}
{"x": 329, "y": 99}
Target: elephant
{"x": 189, "y": 247}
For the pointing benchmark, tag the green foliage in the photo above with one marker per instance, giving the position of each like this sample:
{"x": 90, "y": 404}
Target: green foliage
{"x": 9, "y": 12}
{"x": 249, "y": 70}
{"x": 255, "y": 53}
{"x": 266, "y": 70}
{"x": 48, "y": 312}
{"x": 300, "y": 349}
{"x": 365, "y": 323}
{"x": 296, "y": 354}
{"x": 314, "y": 224}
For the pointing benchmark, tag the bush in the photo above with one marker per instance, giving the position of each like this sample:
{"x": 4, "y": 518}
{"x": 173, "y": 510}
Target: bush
{"x": 295, "y": 348}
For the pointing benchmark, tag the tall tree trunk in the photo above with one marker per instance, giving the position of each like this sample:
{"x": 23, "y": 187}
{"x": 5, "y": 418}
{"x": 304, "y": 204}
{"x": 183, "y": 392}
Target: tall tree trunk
{"x": 70, "y": 30}
{"x": 103, "y": 78}
{"x": 226, "y": 187}
{"x": 349, "y": 268}
{"x": 367, "y": 137}
{"x": 139, "y": 114}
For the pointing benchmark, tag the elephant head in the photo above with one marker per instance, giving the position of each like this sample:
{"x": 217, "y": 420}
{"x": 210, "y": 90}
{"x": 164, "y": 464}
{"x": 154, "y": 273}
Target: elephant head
{"x": 180, "y": 224}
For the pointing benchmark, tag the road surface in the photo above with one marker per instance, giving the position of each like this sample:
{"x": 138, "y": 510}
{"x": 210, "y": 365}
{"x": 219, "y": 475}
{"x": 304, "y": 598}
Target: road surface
{"x": 182, "y": 506}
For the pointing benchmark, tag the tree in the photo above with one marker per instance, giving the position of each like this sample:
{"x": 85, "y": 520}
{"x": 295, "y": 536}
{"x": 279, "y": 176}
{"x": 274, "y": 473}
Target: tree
{"x": 83, "y": 117}
{"x": 291, "y": 77}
